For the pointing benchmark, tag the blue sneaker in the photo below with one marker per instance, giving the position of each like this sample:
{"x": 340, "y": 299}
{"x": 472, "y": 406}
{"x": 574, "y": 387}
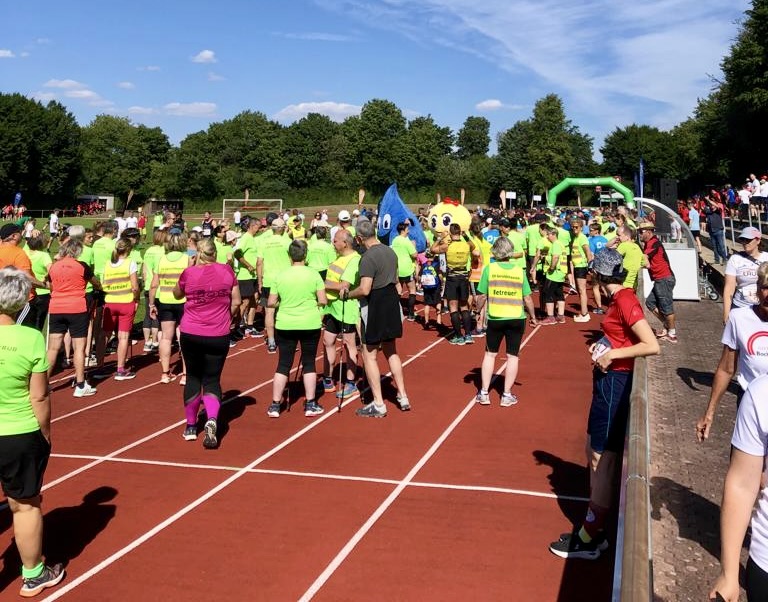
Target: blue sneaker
{"x": 457, "y": 340}
{"x": 273, "y": 411}
{"x": 312, "y": 408}
{"x": 468, "y": 340}
{"x": 348, "y": 390}
{"x": 328, "y": 385}
{"x": 371, "y": 411}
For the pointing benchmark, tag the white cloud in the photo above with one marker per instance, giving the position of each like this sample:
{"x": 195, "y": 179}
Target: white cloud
{"x": 337, "y": 111}
{"x": 190, "y": 109}
{"x": 136, "y": 110}
{"x": 24, "y": 54}
{"x": 67, "y": 84}
{"x": 6, "y": 54}
{"x": 204, "y": 56}
{"x": 215, "y": 77}
{"x": 148, "y": 68}
{"x": 126, "y": 85}
{"x": 44, "y": 96}
{"x": 494, "y": 104}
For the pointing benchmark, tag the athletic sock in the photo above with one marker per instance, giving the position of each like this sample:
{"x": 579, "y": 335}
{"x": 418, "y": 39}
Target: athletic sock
{"x": 456, "y": 323}
{"x": 80, "y": 385}
{"x": 672, "y": 332}
{"x": 466, "y": 318}
{"x": 212, "y": 406}
{"x": 594, "y": 522}
{"x": 32, "y": 573}
{"x": 191, "y": 408}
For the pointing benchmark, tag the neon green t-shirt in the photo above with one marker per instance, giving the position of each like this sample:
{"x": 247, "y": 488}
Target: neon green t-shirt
{"x": 564, "y": 237}
{"x": 102, "y": 253}
{"x": 249, "y": 248}
{"x": 87, "y": 258}
{"x": 40, "y": 261}
{"x": 273, "y": 251}
{"x": 532, "y": 238}
{"x": 518, "y": 246}
{"x": 151, "y": 258}
{"x": 557, "y": 250}
{"x": 404, "y": 248}
{"x": 578, "y": 258}
{"x": 320, "y": 254}
{"x": 350, "y": 266}
{"x": 22, "y": 351}
{"x": 222, "y": 251}
{"x": 633, "y": 261}
{"x": 297, "y": 288}
{"x": 543, "y": 246}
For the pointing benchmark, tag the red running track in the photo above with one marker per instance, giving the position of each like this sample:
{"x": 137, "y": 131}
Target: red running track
{"x": 451, "y": 501}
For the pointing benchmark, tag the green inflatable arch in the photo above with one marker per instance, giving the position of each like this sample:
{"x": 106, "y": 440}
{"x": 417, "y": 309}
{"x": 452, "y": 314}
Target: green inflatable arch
{"x": 629, "y": 197}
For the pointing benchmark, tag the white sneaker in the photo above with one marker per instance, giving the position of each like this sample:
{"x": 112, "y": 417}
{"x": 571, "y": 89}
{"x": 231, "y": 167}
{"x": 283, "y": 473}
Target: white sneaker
{"x": 482, "y": 398}
{"x": 84, "y": 391}
{"x": 581, "y": 318}
{"x": 508, "y": 399}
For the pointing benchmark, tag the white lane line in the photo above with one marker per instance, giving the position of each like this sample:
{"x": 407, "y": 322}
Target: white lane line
{"x": 206, "y": 496}
{"x": 384, "y": 506}
{"x": 327, "y": 476}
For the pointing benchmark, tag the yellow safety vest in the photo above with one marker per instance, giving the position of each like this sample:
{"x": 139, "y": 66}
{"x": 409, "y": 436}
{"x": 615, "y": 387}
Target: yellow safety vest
{"x": 505, "y": 292}
{"x": 117, "y": 282}
{"x": 335, "y": 271}
{"x": 169, "y": 271}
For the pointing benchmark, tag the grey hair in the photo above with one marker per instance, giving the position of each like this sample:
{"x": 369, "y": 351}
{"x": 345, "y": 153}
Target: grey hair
{"x": 365, "y": 229}
{"x": 76, "y": 231}
{"x": 502, "y": 248}
{"x": 347, "y": 236}
{"x": 15, "y": 286}
{"x": 72, "y": 248}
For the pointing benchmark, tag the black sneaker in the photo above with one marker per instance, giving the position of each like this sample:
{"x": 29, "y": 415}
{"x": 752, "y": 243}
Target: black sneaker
{"x": 570, "y": 545}
{"x": 51, "y": 575}
{"x": 271, "y": 348}
{"x": 599, "y": 539}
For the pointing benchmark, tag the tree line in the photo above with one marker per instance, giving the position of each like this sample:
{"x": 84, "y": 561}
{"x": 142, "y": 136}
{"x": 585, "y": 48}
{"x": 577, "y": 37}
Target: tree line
{"x": 50, "y": 158}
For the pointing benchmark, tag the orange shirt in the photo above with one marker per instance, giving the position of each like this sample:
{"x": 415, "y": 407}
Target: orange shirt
{"x": 12, "y": 255}
{"x": 68, "y": 279}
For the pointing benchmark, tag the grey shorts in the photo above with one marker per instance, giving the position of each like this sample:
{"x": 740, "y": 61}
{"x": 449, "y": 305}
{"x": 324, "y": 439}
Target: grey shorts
{"x": 661, "y": 296}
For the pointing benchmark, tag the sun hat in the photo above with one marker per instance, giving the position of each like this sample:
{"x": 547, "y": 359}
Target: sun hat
{"x": 230, "y": 236}
{"x": 750, "y": 233}
{"x": 607, "y": 262}
{"x": 278, "y": 222}
{"x": 646, "y": 226}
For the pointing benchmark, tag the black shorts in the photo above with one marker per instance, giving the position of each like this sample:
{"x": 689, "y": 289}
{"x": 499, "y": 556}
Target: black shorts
{"x": 247, "y": 288}
{"x": 580, "y": 273}
{"x": 457, "y": 288}
{"x": 23, "y": 459}
{"x": 335, "y": 326}
{"x": 405, "y": 279}
{"x": 510, "y": 330}
{"x": 432, "y": 296}
{"x": 696, "y": 233}
{"x": 382, "y": 318}
{"x": 264, "y": 298}
{"x": 169, "y": 312}
{"x": 76, "y": 324}
{"x": 553, "y": 291}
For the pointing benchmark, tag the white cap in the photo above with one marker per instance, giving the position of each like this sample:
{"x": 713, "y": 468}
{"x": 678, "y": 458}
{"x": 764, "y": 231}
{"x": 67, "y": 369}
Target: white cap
{"x": 355, "y": 212}
{"x": 344, "y": 215}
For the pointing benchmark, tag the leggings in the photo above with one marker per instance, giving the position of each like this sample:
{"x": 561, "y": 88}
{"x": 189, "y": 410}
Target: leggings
{"x": 205, "y": 360}
{"x": 757, "y": 582}
{"x": 287, "y": 340}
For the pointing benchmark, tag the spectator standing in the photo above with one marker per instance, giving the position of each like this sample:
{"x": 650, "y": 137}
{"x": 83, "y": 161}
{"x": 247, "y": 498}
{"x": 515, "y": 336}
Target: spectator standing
{"x": 740, "y": 289}
{"x": 25, "y": 431}
{"x": 716, "y": 228}
{"x": 11, "y": 254}
{"x": 660, "y": 300}
{"x": 694, "y": 223}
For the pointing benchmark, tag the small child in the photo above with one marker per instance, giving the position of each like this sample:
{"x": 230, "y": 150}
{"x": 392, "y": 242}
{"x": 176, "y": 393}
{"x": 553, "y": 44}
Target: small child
{"x": 430, "y": 284}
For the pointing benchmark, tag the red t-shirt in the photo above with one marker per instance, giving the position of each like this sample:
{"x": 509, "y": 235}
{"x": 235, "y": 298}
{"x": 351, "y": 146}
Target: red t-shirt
{"x": 68, "y": 279}
{"x": 624, "y": 311}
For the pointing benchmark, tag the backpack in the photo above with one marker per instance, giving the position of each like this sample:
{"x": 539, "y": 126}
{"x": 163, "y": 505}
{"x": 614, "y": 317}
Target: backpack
{"x": 429, "y": 277}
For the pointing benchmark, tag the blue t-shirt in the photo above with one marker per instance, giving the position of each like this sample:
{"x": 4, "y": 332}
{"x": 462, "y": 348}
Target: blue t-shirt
{"x": 491, "y": 235}
{"x": 596, "y": 243}
{"x": 694, "y": 220}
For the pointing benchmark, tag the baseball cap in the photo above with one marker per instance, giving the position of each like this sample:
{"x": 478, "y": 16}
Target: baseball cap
{"x": 355, "y": 213}
{"x": 230, "y": 236}
{"x": 607, "y": 262}
{"x": 278, "y": 222}
{"x": 197, "y": 229}
{"x": 646, "y": 226}
{"x": 750, "y": 233}
{"x": 344, "y": 215}
{"x": 8, "y": 230}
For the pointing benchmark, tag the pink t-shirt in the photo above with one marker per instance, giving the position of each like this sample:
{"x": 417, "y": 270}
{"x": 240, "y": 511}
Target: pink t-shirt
{"x": 208, "y": 289}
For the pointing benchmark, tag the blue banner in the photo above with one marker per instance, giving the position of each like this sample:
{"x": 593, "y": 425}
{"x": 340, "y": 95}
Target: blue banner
{"x": 641, "y": 176}
{"x": 17, "y": 199}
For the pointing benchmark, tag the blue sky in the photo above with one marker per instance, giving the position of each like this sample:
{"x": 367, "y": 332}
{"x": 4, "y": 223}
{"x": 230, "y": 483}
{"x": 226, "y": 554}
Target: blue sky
{"x": 183, "y": 65}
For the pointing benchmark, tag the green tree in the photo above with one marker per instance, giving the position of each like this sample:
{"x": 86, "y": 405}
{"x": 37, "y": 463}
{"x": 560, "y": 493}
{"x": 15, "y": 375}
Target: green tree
{"x": 426, "y": 143}
{"x": 624, "y": 147}
{"x": 378, "y": 144}
{"x": 307, "y": 144}
{"x": 473, "y": 138}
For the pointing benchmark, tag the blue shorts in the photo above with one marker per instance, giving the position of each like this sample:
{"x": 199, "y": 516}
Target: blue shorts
{"x": 609, "y": 411}
{"x": 661, "y": 296}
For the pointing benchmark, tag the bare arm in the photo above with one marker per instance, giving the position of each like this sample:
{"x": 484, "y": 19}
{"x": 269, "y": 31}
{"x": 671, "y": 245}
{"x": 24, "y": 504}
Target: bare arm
{"x": 648, "y": 345}
{"x": 363, "y": 289}
{"x": 322, "y": 298}
{"x": 729, "y": 288}
{"x": 40, "y": 399}
{"x": 726, "y": 368}
{"x": 236, "y": 300}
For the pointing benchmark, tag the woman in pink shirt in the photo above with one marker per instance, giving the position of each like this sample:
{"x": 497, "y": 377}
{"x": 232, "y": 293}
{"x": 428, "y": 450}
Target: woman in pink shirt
{"x": 212, "y": 297}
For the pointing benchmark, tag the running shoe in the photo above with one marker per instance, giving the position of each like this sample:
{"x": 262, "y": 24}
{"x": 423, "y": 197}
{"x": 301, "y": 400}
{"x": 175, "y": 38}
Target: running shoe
{"x": 210, "y": 441}
{"x": 273, "y": 411}
{"x": 148, "y": 348}
{"x": 328, "y": 385}
{"x": 190, "y": 432}
{"x": 598, "y": 311}
{"x": 84, "y": 391}
{"x": 572, "y": 290}
{"x": 166, "y": 378}
{"x": 672, "y": 338}
{"x": 411, "y": 318}
{"x": 468, "y": 340}
{"x": 581, "y": 318}
{"x": 457, "y": 340}
{"x": 599, "y": 539}
{"x": 483, "y": 398}
{"x": 271, "y": 348}
{"x": 660, "y": 334}
{"x": 51, "y": 575}
{"x": 508, "y": 399}
{"x": 312, "y": 408}
{"x": 124, "y": 375}
{"x": 478, "y": 332}
{"x": 348, "y": 390}
{"x": 101, "y": 374}
{"x": 571, "y": 546}
{"x": 402, "y": 401}
{"x": 560, "y": 319}
{"x": 548, "y": 321}
{"x": 371, "y": 411}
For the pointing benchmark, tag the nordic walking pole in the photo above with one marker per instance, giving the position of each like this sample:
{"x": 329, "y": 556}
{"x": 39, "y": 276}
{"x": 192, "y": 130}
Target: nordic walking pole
{"x": 343, "y": 347}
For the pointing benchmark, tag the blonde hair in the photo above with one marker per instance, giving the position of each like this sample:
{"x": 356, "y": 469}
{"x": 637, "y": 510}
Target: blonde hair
{"x": 175, "y": 242}
{"x": 206, "y": 250}
{"x": 123, "y": 248}
{"x": 762, "y": 275}
{"x": 502, "y": 248}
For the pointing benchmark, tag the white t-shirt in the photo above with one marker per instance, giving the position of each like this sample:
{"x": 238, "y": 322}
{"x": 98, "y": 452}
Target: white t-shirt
{"x": 746, "y": 333}
{"x": 236, "y": 217}
{"x": 53, "y": 223}
{"x": 764, "y": 188}
{"x": 750, "y": 435}
{"x": 132, "y": 222}
{"x": 744, "y": 196}
{"x": 675, "y": 231}
{"x": 745, "y": 271}
{"x": 121, "y": 225}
